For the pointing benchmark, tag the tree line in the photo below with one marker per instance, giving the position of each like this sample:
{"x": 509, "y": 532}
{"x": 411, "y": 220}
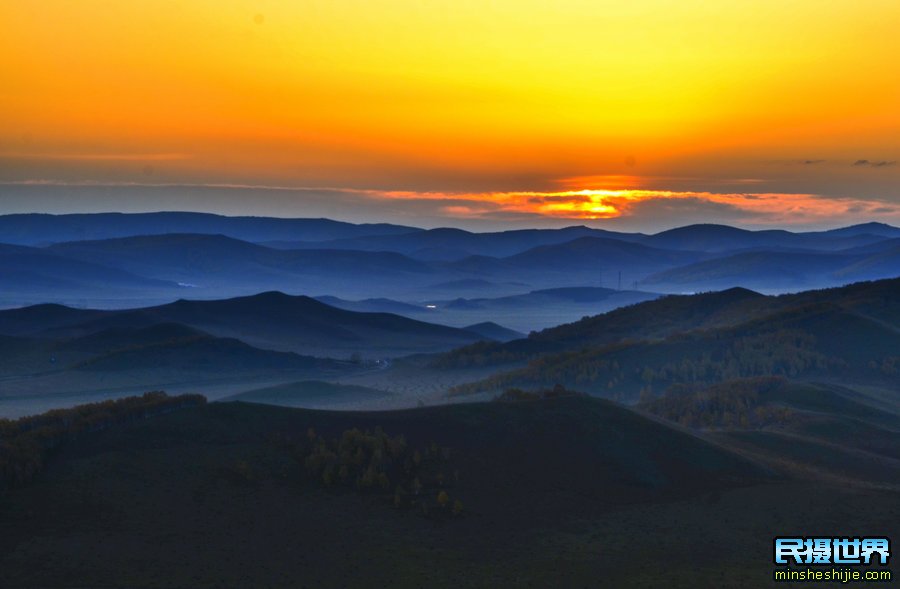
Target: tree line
{"x": 733, "y": 404}
{"x": 372, "y": 462}
{"x": 629, "y": 369}
{"x": 26, "y": 443}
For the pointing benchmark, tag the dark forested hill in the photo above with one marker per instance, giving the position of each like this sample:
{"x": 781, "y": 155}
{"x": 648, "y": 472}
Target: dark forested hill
{"x": 466, "y": 495}
{"x": 847, "y": 333}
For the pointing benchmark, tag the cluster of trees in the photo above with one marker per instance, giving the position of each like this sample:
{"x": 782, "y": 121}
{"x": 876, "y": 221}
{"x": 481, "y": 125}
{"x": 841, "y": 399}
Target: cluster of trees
{"x": 26, "y": 443}
{"x": 371, "y": 461}
{"x": 733, "y": 404}
{"x": 698, "y": 358}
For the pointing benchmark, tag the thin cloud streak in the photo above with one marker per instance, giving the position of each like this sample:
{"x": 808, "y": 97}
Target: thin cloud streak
{"x": 100, "y": 157}
{"x": 783, "y": 208}
{"x": 634, "y": 207}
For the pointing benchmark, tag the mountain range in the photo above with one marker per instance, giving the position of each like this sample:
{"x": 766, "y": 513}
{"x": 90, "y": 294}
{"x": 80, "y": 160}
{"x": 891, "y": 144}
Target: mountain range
{"x": 125, "y": 260}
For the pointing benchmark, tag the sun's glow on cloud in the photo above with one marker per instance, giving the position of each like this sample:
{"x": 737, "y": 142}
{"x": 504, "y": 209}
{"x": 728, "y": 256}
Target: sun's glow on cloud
{"x": 593, "y": 204}
{"x": 638, "y": 208}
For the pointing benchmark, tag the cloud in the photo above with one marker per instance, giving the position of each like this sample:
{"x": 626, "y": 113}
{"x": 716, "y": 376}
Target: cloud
{"x": 662, "y": 205}
{"x": 555, "y": 198}
{"x": 636, "y": 208}
{"x": 798, "y": 162}
{"x": 100, "y": 157}
{"x": 875, "y": 164}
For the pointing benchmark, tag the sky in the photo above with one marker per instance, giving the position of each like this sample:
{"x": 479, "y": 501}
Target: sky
{"x": 644, "y": 114}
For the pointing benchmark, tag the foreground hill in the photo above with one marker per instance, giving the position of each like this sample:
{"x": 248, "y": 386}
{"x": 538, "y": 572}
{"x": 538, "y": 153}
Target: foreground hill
{"x": 555, "y": 492}
{"x": 825, "y": 430}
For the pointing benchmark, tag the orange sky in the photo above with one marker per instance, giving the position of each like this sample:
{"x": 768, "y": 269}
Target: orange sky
{"x": 466, "y": 104}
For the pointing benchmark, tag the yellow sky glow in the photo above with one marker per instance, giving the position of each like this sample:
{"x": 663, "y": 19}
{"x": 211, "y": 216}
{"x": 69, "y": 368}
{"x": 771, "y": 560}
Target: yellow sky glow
{"x": 465, "y": 96}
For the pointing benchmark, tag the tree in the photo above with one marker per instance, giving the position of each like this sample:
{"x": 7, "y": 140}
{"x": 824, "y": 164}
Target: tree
{"x": 457, "y": 507}
{"x": 443, "y": 499}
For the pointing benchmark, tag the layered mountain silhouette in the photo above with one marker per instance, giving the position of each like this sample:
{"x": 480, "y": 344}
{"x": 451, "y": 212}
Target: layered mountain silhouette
{"x": 270, "y": 320}
{"x": 42, "y": 229}
{"x": 115, "y": 260}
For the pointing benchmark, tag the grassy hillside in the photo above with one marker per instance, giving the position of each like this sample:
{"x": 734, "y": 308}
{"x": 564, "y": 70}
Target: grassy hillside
{"x": 823, "y": 430}
{"x": 557, "y": 492}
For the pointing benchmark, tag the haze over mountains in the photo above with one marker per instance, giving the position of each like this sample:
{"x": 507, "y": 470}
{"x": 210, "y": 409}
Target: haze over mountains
{"x": 129, "y": 260}
{"x": 234, "y": 304}
{"x": 56, "y": 350}
{"x": 437, "y": 394}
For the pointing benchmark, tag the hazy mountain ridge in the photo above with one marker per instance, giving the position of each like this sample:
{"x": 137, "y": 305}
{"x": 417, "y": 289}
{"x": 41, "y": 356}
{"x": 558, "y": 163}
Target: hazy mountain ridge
{"x": 42, "y": 229}
{"x": 35, "y": 270}
{"x": 270, "y": 320}
{"x": 389, "y": 262}
{"x": 849, "y": 333}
